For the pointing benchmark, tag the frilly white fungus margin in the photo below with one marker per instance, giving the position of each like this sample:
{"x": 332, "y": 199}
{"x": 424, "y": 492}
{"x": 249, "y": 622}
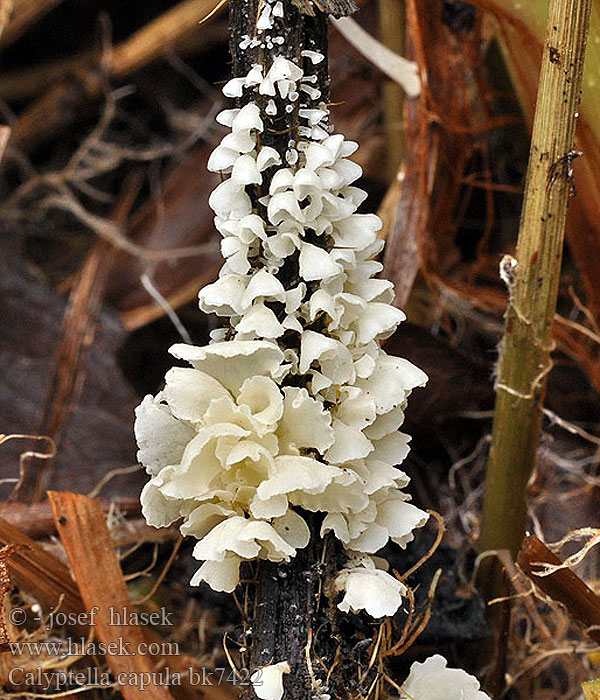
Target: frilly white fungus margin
{"x": 428, "y": 680}
{"x": 368, "y": 587}
{"x": 293, "y": 407}
{"x": 432, "y": 679}
{"x": 267, "y": 681}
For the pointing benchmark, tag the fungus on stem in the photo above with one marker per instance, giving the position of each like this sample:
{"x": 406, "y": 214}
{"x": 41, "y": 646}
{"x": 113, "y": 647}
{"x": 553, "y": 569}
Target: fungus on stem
{"x": 278, "y": 446}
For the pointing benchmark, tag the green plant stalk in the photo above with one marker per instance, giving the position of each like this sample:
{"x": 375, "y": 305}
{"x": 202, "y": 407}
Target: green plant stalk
{"x": 525, "y": 353}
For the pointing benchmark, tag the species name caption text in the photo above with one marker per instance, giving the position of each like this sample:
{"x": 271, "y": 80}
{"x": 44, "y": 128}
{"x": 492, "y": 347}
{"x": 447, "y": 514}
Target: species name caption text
{"x": 44, "y": 679}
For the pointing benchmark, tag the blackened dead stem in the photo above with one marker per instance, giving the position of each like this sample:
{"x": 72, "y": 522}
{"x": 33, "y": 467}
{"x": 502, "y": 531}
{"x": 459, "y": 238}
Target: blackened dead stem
{"x": 289, "y": 614}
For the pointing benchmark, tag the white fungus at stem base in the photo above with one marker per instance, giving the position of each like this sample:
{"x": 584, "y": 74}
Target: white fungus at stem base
{"x": 294, "y": 407}
{"x": 428, "y": 679}
{"x": 267, "y": 681}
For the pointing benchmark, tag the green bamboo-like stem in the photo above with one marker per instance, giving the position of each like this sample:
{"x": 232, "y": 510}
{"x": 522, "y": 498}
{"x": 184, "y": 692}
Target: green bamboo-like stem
{"x": 525, "y": 354}
{"x": 521, "y": 30}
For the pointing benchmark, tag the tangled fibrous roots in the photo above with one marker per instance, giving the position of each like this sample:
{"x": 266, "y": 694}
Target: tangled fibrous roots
{"x": 65, "y": 190}
{"x": 548, "y": 655}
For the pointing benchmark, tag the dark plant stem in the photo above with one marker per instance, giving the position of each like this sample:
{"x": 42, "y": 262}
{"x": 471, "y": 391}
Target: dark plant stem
{"x": 289, "y": 614}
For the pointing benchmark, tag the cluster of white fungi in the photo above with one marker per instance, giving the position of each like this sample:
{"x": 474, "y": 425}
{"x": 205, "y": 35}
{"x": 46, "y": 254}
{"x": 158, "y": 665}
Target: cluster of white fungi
{"x": 293, "y": 407}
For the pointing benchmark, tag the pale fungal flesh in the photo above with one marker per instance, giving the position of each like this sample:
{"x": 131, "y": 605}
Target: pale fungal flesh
{"x": 294, "y": 407}
{"x": 267, "y": 681}
{"x": 430, "y": 679}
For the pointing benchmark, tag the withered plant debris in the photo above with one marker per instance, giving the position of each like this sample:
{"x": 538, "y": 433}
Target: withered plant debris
{"x": 98, "y": 436}
{"x": 562, "y": 585}
{"x": 82, "y": 528}
{"x": 5, "y": 587}
{"x": 95, "y": 96}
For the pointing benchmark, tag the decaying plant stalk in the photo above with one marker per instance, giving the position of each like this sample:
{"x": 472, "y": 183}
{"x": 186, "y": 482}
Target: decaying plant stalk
{"x": 525, "y": 357}
{"x": 283, "y": 605}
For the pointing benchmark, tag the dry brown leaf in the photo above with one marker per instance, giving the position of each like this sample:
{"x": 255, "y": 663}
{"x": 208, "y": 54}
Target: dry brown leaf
{"x": 82, "y": 528}
{"x": 41, "y": 574}
{"x": 98, "y": 437}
